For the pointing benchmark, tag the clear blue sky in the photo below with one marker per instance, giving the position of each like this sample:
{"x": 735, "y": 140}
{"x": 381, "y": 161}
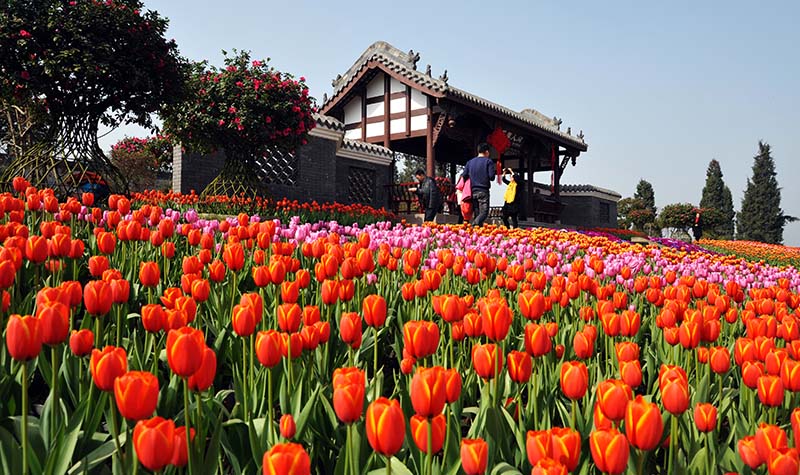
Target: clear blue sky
{"x": 659, "y": 88}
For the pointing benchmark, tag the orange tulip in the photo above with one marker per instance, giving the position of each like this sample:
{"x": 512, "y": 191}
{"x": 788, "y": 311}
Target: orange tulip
{"x": 107, "y": 365}
{"x": 574, "y": 379}
{"x": 23, "y": 337}
{"x": 153, "y": 317}
{"x": 496, "y": 318}
{"x": 537, "y": 341}
{"x": 610, "y": 451}
{"x": 770, "y": 391}
{"x": 538, "y": 445}
{"x": 705, "y": 417}
{"x": 385, "y": 426}
{"x": 185, "y": 351}
{"x": 548, "y": 466}
{"x": 768, "y": 438}
{"x": 286, "y": 459}
{"x": 290, "y": 291}
{"x": 154, "y": 440}
{"x": 136, "y": 393}
{"x": 566, "y": 446}
{"x": 180, "y": 452}
{"x": 784, "y": 461}
{"x": 233, "y": 255}
{"x": 243, "y": 320}
{"x": 350, "y": 329}
{"x": 613, "y": 396}
{"x": 643, "y": 424}
{"x": 374, "y": 310}
{"x": 289, "y": 317}
{"x": 474, "y": 456}
{"x": 453, "y": 385}
{"x": 81, "y": 342}
{"x": 719, "y": 358}
{"x": 520, "y": 366}
{"x": 98, "y": 297}
{"x": 749, "y": 453}
{"x": 487, "y": 360}
{"x": 288, "y": 426}
{"x": 268, "y": 348}
{"x": 348, "y": 394}
{"x": 149, "y": 274}
{"x": 631, "y": 373}
{"x": 675, "y": 396}
{"x": 420, "y": 338}
{"x": 419, "y": 432}
{"x": 203, "y": 378}
{"x": 428, "y": 392}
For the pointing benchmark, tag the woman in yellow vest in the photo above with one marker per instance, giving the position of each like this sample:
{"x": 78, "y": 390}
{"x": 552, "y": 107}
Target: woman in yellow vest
{"x": 511, "y": 202}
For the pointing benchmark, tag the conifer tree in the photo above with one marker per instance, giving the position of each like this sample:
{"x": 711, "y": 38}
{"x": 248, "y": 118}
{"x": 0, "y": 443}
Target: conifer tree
{"x": 761, "y": 217}
{"x": 717, "y": 195}
{"x": 644, "y": 192}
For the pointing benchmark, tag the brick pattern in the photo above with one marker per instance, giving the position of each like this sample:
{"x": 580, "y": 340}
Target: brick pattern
{"x": 280, "y": 168}
{"x": 589, "y": 211}
{"x": 360, "y": 185}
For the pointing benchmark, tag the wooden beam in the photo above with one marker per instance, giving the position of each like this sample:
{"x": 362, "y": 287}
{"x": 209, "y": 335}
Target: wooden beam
{"x": 429, "y": 158}
{"x": 387, "y": 92}
{"x": 408, "y": 111}
{"x": 364, "y": 114}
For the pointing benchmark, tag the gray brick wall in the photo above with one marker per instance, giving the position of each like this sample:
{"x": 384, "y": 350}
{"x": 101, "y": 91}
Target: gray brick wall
{"x": 588, "y": 211}
{"x": 194, "y": 171}
{"x": 383, "y": 176}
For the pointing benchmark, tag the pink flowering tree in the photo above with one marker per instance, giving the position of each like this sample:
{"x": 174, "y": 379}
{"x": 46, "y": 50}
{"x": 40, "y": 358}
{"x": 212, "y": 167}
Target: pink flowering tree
{"x": 246, "y": 109}
{"x": 71, "y": 65}
{"x": 143, "y": 159}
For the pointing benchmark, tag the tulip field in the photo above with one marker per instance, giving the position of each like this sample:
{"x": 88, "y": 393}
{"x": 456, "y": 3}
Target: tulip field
{"x": 142, "y": 337}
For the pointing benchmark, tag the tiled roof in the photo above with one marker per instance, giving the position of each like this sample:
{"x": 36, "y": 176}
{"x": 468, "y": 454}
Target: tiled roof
{"x": 404, "y": 64}
{"x": 360, "y": 146}
{"x": 587, "y": 189}
{"x": 328, "y": 122}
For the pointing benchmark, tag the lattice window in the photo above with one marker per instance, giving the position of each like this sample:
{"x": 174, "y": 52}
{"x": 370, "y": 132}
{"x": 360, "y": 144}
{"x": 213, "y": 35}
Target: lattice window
{"x": 361, "y": 185}
{"x": 278, "y": 167}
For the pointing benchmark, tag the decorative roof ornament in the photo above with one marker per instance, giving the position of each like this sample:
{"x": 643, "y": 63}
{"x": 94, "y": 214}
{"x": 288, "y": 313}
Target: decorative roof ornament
{"x": 580, "y": 135}
{"x": 569, "y": 130}
{"x": 414, "y": 57}
{"x": 324, "y": 97}
{"x": 444, "y": 77}
{"x": 428, "y": 70}
{"x": 336, "y": 80}
{"x": 557, "y": 122}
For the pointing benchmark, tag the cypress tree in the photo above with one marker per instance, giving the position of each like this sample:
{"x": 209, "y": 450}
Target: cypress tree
{"x": 761, "y": 217}
{"x": 644, "y": 192}
{"x": 718, "y": 196}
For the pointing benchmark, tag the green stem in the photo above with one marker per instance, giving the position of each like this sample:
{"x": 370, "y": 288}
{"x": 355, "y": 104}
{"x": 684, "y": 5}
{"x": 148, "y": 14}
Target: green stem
{"x": 429, "y": 458}
{"x": 388, "y": 466}
{"x": 673, "y": 436}
{"x": 54, "y": 386}
{"x": 25, "y": 444}
{"x": 446, "y": 435}
{"x": 640, "y": 463}
{"x": 269, "y": 407}
{"x": 574, "y": 414}
{"x": 98, "y": 332}
{"x": 356, "y": 466}
{"x": 199, "y": 422}
{"x": 251, "y": 370}
{"x": 347, "y": 456}
{"x": 186, "y": 421}
{"x": 375, "y": 365}
{"x": 245, "y": 414}
{"x": 115, "y": 430}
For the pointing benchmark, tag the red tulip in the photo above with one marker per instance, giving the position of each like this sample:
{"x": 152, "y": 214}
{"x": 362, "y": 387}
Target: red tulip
{"x": 453, "y": 385}
{"x": 136, "y": 393}
{"x": 643, "y": 424}
{"x": 768, "y": 438}
{"x": 288, "y": 426}
{"x": 268, "y": 348}
{"x": 537, "y": 341}
{"x": 243, "y": 320}
{"x": 613, "y": 396}
{"x": 81, "y": 342}
{"x": 286, "y": 459}
{"x": 107, "y": 365}
{"x": 749, "y": 453}
{"x": 149, "y": 274}
{"x": 180, "y": 453}
{"x": 374, "y": 309}
{"x": 23, "y": 337}
{"x": 705, "y": 417}
{"x": 574, "y": 379}
{"x": 385, "y": 425}
{"x": 610, "y": 450}
{"x": 675, "y": 396}
{"x": 289, "y": 317}
{"x": 496, "y": 319}
{"x": 203, "y": 378}
{"x": 474, "y": 456}
{"x": 566, "y": 446}
{"x": 185, "y": 351}
{"x": 348, "y": 394}
{"x": 419, "y": 432}
{"x": 350, "y": 329}
{"x": 520, "y": 366}
{"x": 98, "y": 297}
{"x": 428, "y": 392}
{"x": 538, "y": 445}
{"x": 770, "y": 391}
{"x": 154, "y": 440}
{"x": 487, "y": 360}
{"x": 784, "y": 461}
{"x": 420, "y": 338}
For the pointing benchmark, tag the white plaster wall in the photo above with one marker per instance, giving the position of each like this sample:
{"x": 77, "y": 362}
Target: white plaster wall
{"x": 419, "y": 122}
{"x": 375, "y": 130}
{"x": 398, "y": 105}
{"x": 375, "y": 87}
{"x": 398, "y": 126}
{"x": 352, "y": 111}
{"x": 375, "y": 110}
{"x": 418, "y": 100}
{"x": 397, "y": 86}
{"x": 354, "y": 134}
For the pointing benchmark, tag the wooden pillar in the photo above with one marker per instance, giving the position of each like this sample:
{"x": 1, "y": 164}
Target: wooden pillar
{"x": 408, "y": 111}
{"x": 430, "y": 159}
{"x": 387, "y": 125}
{"x": 557, "y": 175}
{"x": 364, "y": 114}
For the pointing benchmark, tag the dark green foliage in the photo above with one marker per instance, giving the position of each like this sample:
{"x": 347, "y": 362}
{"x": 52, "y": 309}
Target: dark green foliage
{"x": 717, "y": 196}
{"x": 632, "y": 213}
{"x": 761, "y": 217}
{"x": 644, "y": 192}
{"x": 681, "y": 216}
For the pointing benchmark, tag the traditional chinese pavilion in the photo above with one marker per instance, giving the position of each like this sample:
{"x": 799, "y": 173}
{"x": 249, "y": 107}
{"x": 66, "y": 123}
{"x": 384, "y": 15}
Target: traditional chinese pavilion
{"x": 384, "y": 99}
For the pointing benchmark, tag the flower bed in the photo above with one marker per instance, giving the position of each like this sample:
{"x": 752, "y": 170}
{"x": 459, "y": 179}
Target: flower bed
{"x": 295, "y": 347}
{"x": 757, "y": 251}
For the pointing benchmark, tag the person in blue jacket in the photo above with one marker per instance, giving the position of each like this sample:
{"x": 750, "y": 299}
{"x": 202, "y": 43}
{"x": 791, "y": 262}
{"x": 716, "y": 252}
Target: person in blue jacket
{"x": 480, "y": 171}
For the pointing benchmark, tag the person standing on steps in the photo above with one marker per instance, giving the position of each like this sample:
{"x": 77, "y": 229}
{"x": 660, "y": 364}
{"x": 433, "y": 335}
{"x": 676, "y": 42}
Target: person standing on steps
{"x": 480, "y": 171}
{"x": 429, "y": 195}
